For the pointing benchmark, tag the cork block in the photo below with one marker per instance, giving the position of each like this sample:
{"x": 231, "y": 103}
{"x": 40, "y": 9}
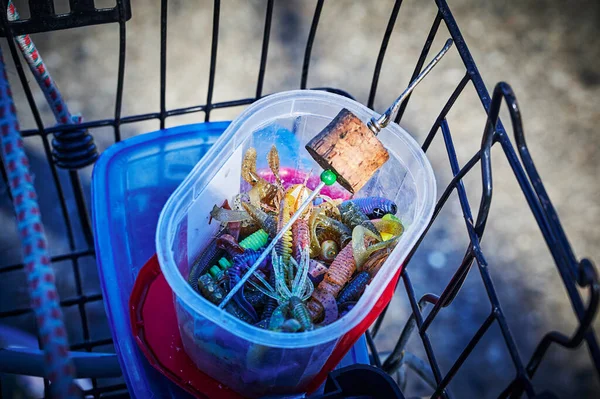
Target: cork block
{"x": 350, "y": 149}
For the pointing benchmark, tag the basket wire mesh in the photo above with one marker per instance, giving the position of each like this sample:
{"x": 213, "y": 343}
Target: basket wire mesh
{"x": 579, "y": 276}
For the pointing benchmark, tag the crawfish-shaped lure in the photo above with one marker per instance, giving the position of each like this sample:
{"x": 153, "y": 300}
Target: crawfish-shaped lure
{"x": 291, "y": 300}
{"x": 262, "y": 192}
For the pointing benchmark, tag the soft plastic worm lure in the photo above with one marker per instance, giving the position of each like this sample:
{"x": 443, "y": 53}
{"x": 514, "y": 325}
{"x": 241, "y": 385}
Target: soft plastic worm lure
{"x": 215, "y": 294}
{"x": 316, "y": 271}
{"x": 338, "y": 274}
{"x": 375, "y": 207}
{"x": 240, "y": 264}
{"x": 284, "y": 245}
{"x": 266, "y": 222}
{"x": 254, "y": 241}
{"x": 230, "y": 244}
{"x": 355, "y": 288}
{"x": 210, "y": 255}
{"x": 353, "y": 216}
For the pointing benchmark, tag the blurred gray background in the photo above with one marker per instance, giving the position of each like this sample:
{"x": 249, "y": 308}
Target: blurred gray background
{"x": 548, "y": 50}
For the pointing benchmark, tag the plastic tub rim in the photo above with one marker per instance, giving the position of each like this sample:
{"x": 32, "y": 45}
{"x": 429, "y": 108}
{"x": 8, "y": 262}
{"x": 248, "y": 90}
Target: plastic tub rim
{"x": 184, "y": 292}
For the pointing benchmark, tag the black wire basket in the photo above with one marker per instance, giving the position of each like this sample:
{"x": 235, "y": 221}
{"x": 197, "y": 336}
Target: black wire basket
{"x": 578, "y": 276}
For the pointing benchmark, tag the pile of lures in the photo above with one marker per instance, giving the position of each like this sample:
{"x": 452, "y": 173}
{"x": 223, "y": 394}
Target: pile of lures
{"x": 319, "y": 269}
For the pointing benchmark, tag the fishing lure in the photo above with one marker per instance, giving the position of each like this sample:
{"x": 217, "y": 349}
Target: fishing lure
{"x": 376, "y": 260}
{"x": 255, "y": 298}
{"x": 208, "y": 257}
{"x": 273, "y": 160}
{"x": 329, "y": 305}
{"x": 266, "y": 222}
{"x": 254, "y": 241}
{"x": 364, "y": 243}
{"x": 353, "y": 216}
{"x": 230, "y": 244}
{"x": 300, "y": 238}
{"x": 262, "y": 192}
{"x": 338, "y": 274}
{"x": 344, "y": 308}
{"x": 290, "y": 299}
{"x": 354, "y": 289}
{"x": 375, "y": 207}
{"x": 326, "y": 227}
{"x": 215, "y": 294}
{"x": 284, "y": 245}
{"x": 227, "y": 215}
{"x": 389, "y": 226}
{"x": 329, "y": 250}
{"x": 330, "y": 207}
{"x": 300, "y": 312}
{"x": 234, "y": 274}
{"x": 249, "y": 166}
{"x": 316, "y": 271}
{"x": 278, "y": 317}
{"x": 271, "y": 304}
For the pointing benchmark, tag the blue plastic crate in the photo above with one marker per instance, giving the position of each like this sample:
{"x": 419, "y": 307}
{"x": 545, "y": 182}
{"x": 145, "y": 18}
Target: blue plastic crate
{"x": 132, "y": 181}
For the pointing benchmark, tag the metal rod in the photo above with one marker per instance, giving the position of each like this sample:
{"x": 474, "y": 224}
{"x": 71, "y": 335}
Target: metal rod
{"x": 376, "y": 124}
{"x": 267, "y": 250}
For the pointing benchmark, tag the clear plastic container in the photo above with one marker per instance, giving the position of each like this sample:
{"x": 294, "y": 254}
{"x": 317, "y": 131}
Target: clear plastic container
{"x": 247, "y": 359}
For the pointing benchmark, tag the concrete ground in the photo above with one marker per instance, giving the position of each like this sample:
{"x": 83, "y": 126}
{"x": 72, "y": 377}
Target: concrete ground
{"x": 547, "y": 50}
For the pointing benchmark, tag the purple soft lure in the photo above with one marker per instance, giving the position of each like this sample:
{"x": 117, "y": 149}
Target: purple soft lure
{"x": 375, "y": 207}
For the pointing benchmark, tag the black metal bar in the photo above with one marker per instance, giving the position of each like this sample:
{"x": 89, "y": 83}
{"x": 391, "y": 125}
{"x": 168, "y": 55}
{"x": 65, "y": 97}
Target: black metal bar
{"x": 436, "y": 125}
{"x": 89, "y": 345}
{"x": 548, "y": 223}
{"x": 81, "y": 6}
{"x": 64, "y": 303}
{"x": 100, "y": 390}
{"x": 382, "y": 50}
{"x": 432, "y": 32}
{"x": 164, "y": 5}
{"x": 82, "y": 211}
{"x": 265, "y": 49}
{"x": 41, "y": 8}
{"x": 213, "y": 59}
{"x": 373, "y": 349}
{"x": 78, "y": 17}
{"x": 580, "y": 333}
{"x": 53, "y": 259}
{"x": 31, "y": 362}
{"x": 120, "y": 72}
{"x": 466, "y": 352}
{"x": 435, "y": 368}
{"x": 309, "y": 43}
{"x": 394, "y": 361}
